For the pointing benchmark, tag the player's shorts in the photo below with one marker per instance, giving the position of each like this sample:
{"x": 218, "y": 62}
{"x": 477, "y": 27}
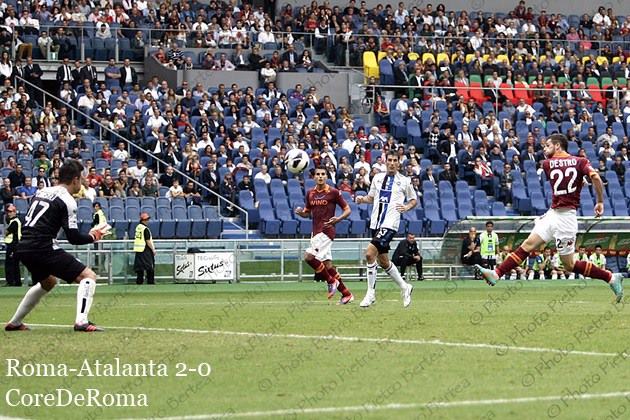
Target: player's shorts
{"x": 56, "y": 263}
{"x": 381, "y": 239}
{"x": 561, "y": 225}
{"x": 321, "y": 247}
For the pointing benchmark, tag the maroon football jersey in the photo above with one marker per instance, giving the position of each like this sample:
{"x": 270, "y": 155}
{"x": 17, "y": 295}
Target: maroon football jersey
{"x": 322, "y": 205}
{"x": 566, "y": 174}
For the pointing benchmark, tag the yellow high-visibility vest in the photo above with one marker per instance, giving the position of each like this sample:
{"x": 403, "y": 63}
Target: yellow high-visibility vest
{"x": 139, "y": 243}
{"x": 8, "y": 239}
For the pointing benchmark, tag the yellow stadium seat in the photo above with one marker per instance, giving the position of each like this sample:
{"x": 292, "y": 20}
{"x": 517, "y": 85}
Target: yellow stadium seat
{"x": 601, "y": 60}
{"x": 485, "y": 57}
{"x": 442, "y": 57}
{"x": 370, "y": 66}
{"x": 502, "y": 57}
{"x": 470, "y": 57}
{"x": 542, "y": 58}
{"x": 559, "y": 58}
{"x": 585, "y": 59}
{"x": 616, "y": 59}
{"x": 453, "y": 57}
{"x": 628, "y": 60}
{"x": 381, "y": 55}
{"x": 413, "y": 56}
{"x": 426, "y": 56}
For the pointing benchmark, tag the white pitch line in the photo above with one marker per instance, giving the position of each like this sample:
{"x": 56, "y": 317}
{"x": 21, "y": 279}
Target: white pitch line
{"x": 504, "y": 348}
{"x": 396, "y": 406}
{"x": 322, "y": 302}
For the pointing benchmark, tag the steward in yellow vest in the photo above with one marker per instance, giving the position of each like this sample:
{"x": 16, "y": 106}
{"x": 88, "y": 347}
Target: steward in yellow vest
{"x": 12, "y": 237}
{"x": 144, "y": 250}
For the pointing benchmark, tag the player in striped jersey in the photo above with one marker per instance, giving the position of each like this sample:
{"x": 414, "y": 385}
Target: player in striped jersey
{"x": 392, "y": 194}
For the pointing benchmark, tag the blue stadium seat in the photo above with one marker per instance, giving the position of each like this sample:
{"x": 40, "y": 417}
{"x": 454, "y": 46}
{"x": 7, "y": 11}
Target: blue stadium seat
{"x": 246, "y": 201}
{"x": 118, "y": 221}
{"x": 270, "y": 225}
{"x": 198, "y": 228}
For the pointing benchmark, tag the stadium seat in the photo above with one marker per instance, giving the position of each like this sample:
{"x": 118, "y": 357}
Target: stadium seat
{"x": 198, "y": 227}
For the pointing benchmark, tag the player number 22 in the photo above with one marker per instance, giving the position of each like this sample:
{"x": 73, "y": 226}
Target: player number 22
{"x": 558, "y": 175}
{"x": 30, "y": 219}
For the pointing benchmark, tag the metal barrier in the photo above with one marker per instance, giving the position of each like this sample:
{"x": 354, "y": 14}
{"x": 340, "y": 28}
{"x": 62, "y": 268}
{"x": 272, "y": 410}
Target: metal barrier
{"x": 162, "y": 37}
{"x": 256, "y": 260}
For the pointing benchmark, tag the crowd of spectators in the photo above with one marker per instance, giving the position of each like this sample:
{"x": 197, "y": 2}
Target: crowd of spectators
{"x": 226, "y": 137}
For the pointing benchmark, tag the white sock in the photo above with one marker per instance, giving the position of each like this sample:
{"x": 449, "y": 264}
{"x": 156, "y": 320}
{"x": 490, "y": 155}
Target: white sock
{"x": 541, "y": 275}
{"x": 554, "y": 276}
{"x": 571, "y": 276}
{"x": 371, "y": 276}
{"x": 530, "y": 276}
{"x": 85, "y": 294}
{"x": 30, "y": 300}
{"x": 393, "y": 272}
{"x": 562, "y": 276}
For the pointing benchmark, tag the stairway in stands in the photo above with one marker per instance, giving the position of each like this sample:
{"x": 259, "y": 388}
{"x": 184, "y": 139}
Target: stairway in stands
{"x": 233, "y": 228}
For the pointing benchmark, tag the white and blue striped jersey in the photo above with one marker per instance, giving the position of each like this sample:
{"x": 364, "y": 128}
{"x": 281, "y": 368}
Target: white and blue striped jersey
{"x": 389, "y": 192}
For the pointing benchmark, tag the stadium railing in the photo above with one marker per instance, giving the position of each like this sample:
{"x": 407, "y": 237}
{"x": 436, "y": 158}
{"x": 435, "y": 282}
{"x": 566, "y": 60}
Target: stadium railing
{"x": 477, "y": 92}
{"x": 153, "y": 37}
{"x": 256, "y": 260}
{"x": 102, "y": 129}
{"x": 612, "y": 233}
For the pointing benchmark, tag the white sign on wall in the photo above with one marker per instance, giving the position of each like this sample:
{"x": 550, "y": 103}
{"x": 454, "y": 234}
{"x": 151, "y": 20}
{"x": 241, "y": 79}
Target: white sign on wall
{"x": 214, "y": 266}
{"x": 184, "y": 266}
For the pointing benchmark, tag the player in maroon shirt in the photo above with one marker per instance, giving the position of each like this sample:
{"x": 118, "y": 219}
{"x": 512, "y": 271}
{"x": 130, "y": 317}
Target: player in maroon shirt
{"x": 566, "y": 174}
{"x": 321, "y": 204}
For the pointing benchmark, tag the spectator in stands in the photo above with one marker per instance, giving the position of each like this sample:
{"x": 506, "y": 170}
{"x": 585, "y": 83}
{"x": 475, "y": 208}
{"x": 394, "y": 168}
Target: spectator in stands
{"x": 448, "y": 174}
{"x": 175, "y": 190}
{"x": 192, "y": 193}
{"x": 112, "y": 73}
{"x": 46, "y": 44}
{"x": 8, "y": 192}
{"x": 150, "y": 187}
{"x": 6, "y": 67}
{"x": 175, "y": 54}
{"x": 17, "y": 177}
{"x": 28, "y": 190}
{"x": 88, "y": 72}
{"x": 267, "y": 73}
{"x": 223, "y": 64}
{"x": 239, "y": 59}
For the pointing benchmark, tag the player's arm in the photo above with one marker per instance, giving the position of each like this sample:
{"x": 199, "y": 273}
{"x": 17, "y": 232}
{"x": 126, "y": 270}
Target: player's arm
{"x": 365, "y": 199}
{"x": 410, "y": 195}
{"x": 598, "y": 187}
{"x": 346, "y": 211}
{"x": 306, "y": 211}
{"x": 336, "y": 219}
{"x": 71, "y": 229}
{"x": 369, "y": 198}
{"x": 303, "y": 212}
{"x": 149, "y": 240}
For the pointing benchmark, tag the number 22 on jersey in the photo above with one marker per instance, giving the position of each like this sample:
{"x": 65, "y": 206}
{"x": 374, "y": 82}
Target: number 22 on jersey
{"x": 563, "y": 180}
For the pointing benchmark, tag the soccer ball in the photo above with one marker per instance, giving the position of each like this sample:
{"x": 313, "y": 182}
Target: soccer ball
{"x": 297, "y": 160}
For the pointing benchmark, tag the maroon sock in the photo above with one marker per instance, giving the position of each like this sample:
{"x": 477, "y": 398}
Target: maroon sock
{"x": 320, "y": 269}
{"x": 341, "y": 287}
{"x": 512, "y": 261}
{"x": 587, "y": 269}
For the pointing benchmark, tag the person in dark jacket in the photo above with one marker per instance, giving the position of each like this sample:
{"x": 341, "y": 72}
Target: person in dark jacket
{"x": 12, "y": 237}
{"x": 144, "y": 251}
{"x": 471, "y": 247}
{"x": 407, "y": 254}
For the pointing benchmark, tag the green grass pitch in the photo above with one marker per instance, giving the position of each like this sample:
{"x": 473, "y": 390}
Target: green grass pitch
{"x": 462, "y": 350}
